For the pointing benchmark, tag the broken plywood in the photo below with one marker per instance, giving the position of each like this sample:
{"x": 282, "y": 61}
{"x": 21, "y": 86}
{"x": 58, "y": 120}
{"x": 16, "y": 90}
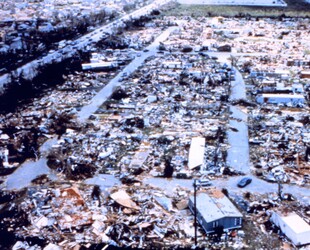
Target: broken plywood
{"x": 122, "y": 198}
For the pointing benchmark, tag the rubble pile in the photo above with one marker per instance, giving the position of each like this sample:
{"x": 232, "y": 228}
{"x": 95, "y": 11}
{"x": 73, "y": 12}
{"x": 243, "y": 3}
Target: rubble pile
{"x": 91, "y": 149}
{"x": 261, "y": 36}
{"x": 31, "y": 29}
{"x": 24, "y": 131}
{"x": 279, "y": 124}
{"x": 143, "y": 36}
{"x": 277, "y": 34}
{"x": 278, "y": 82}
{"x": 171, "y": 109}
{"x": 260, "y": 209}
{"x": 85, "y": 81}
{"x": 71, "y": 215}
{"x": 166, "y": 115}
{"x": 284, "y": 133}
{"x": 158, "y": 113}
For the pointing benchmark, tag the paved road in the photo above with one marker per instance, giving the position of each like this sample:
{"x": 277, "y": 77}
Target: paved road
{"x": 238, "y": 153}
{"x": 257, "y": 186}
{"x": 29, "y": 70}
{"x": 106, "y": 92}
{"x": 29, "y": 170}
{"x": 238, "y": 90}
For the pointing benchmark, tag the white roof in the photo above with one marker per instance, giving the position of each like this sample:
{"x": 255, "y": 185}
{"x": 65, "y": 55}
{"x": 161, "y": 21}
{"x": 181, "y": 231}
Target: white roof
{"x": 97, "y": 65}
{"x": 196, "y": 152}
{"x": 139, "y": 158}
{"x": 296, "y": 223}
{"x": 283, "y": 96}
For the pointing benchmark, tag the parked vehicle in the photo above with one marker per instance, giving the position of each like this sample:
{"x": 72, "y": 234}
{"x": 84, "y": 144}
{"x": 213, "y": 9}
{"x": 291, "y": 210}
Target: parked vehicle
{"x": 183, "y": 175}
{"x": 244, "y": 182}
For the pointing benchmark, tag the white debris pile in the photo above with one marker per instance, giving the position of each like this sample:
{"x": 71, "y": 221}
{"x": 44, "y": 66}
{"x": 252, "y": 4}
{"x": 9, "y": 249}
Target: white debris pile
{"x": 280, "y": 145}
{"x": 69, "y": 215}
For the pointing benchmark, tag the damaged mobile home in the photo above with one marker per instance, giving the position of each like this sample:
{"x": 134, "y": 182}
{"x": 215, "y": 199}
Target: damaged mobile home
{"x": 215, "y": 211}
{"x": 293, "y": 226}
{"x": 281, "y": 99}
{"x": 107, "y": 156}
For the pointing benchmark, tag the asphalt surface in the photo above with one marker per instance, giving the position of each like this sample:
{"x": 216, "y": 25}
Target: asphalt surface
{"x": 107, "y": 91}
{"x": 238, "y": 153}
{"x": 257, "y": 186}
{"x": 29, "y": 70}
{"x": 30, "y": 169}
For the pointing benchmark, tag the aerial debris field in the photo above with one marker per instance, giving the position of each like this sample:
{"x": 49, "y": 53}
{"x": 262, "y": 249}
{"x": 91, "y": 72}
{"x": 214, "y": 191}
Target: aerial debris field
{"x": 116, "y": 143}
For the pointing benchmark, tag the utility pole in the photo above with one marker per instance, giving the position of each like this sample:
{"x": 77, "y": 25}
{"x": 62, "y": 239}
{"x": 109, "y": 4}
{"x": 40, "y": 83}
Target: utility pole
{"x": 195, "y": 211}
{"x": 280, "y": 188}
{"x": 197, "y": 184}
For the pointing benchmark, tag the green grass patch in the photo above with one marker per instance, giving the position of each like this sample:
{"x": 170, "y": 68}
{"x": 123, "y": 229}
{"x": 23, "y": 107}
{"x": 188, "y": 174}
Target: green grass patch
{"x": 294, "y": 9}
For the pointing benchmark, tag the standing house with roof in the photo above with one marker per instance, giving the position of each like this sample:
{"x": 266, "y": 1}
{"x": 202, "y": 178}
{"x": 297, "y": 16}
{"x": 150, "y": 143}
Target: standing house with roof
{"x": 281, "y": 98}
{"x": 293, "y": 226}
{"x": 215, "y": 211}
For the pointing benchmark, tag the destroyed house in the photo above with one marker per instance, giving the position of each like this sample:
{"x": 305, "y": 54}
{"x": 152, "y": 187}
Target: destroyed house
{"x": 297, "y": 62}
{"x": 224, "y": 48}
{"x": 278, "y": 73}
{"x": 215, "y": 211}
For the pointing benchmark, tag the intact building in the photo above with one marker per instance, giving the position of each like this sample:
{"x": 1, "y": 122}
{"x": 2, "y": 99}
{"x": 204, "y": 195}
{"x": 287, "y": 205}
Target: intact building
{"x": 215, "y": 211}
{"x": 293, "y": 226}
{"x": 281, "y": 98}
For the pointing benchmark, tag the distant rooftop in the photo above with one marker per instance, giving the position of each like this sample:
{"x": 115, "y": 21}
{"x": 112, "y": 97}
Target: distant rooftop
{"x": 266, "y": 3}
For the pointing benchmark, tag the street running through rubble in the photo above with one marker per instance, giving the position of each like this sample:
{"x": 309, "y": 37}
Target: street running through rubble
{"x": 260, "y": 187}
{"x": 238, "y": 153}
{"x": 30, "y": 169}
{"x": 133, "y": 149}
{"x": 107, "y": 91}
